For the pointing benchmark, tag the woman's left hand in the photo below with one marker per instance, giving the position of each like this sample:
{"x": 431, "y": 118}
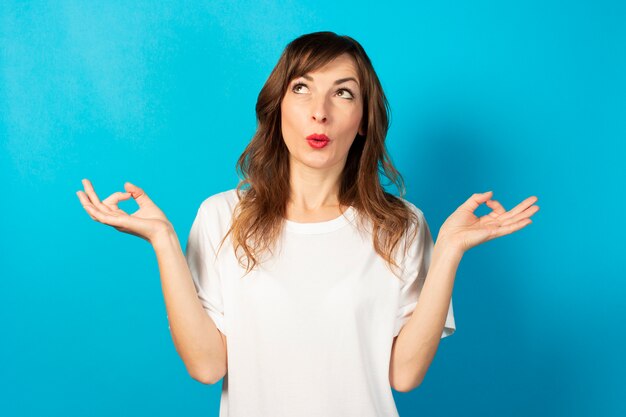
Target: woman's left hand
{"x": 464, "y": 230}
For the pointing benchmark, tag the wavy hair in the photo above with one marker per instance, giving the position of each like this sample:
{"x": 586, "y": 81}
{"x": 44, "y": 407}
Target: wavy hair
{"x": 263, "y": 167}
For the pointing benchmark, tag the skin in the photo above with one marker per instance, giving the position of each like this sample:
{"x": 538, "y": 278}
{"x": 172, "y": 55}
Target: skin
{"x": 415, "y": 346}
{"x": 146, "y": 223}
{"x": 315, "y": 104}
{"x": 319, "y": 106}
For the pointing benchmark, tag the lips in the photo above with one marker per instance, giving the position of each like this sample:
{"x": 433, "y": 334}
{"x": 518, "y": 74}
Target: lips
{"x": 318, "y": 140}
{"x": 318, "y": 136}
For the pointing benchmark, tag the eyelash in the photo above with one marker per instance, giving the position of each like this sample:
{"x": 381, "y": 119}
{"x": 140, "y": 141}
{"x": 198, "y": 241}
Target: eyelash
{"x": 344, "y": 88}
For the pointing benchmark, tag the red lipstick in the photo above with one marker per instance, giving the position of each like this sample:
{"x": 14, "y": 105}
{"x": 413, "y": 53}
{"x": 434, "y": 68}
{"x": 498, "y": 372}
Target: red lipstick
{"x": 317, "y": 141}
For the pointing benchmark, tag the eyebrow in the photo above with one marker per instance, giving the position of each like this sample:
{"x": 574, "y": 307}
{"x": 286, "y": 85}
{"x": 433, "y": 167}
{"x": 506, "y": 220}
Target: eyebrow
{"x": 339, "y": 81}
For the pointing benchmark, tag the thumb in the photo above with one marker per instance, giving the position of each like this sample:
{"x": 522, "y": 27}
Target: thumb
{"x": 476, "y": 200}
{"x": 138, "y": 194}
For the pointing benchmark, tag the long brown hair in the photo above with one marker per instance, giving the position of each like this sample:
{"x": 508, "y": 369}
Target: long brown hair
{"x": 264, "y": 165}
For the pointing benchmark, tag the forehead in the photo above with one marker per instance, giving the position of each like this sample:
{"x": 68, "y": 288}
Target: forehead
{"x": 343, "y": 65}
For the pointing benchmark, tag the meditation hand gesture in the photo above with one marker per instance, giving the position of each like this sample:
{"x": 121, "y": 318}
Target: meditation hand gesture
{"x": 464, "y": 230}
{"x": 146, "y": 222}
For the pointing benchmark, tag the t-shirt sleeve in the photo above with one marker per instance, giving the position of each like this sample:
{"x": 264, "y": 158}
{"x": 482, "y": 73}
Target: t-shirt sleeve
{"x": 415, "y": 267}
{"x": 200, "y": 256}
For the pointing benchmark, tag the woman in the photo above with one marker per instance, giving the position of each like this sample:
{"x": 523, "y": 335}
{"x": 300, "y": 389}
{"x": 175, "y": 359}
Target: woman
{"x": 309, "y": 269}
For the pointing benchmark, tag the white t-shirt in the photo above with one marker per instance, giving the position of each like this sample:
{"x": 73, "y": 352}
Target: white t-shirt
{"x": 310, "y": 331}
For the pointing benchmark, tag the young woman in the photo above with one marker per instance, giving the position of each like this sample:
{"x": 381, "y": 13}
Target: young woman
{"x": 300, "y": 287}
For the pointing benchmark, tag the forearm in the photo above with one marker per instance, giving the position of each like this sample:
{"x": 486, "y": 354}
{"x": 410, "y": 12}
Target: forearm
{"x": 197, "y": 339}
{"x": 417, "y": 342}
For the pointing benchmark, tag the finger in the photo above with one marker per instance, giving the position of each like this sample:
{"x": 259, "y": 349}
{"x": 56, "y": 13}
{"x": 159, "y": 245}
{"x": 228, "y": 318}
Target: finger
{"x": 521, "y": 207}
{"x": 526, "y": 214}
{"x": 112, "y": 200}
{"x": 510, "y": 228}
{"x": 92, "y": 210}
{"x": 90, "y": 207}
{"x": 476, "y": 200}
{"x": 138, "y": 194}
{"x": 496, "y": 207}
{"x": 133, "y": 189}
{"x": 84, "y": 200}
{"x": 100, "y": 216}
{"x": 93, "y": 197}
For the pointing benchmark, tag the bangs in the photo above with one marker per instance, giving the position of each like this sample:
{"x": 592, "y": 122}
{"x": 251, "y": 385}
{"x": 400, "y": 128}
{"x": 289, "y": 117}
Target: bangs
{"x": 312, "y": 54}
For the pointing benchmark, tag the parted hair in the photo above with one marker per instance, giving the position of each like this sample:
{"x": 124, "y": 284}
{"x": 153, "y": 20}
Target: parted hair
{"x": 263, "y": 167}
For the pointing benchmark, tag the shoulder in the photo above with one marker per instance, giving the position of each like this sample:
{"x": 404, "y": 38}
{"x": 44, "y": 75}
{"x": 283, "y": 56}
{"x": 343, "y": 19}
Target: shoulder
{"x": 416, "y": 221}
{"x": 412, "y": 207}
{"x": 417, "y": 228}
{"x": 222, "y": 200}
{"x": 219, "y": 207}
{"x": 396, "y": 202}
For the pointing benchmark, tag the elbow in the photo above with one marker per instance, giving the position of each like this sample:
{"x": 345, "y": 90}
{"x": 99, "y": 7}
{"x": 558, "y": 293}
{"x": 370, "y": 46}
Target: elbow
{"x": 405, "y": 388}
{"x": 407, "y": 385}
{"x": 208, "y": 377}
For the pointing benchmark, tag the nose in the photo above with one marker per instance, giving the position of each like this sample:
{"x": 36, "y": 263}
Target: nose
{"x": 319, "y": 111}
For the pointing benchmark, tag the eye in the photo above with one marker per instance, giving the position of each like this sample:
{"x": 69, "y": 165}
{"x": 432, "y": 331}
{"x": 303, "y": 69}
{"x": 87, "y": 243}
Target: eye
{"x": 346, "y": 90}
{"x": 295, "y": 87}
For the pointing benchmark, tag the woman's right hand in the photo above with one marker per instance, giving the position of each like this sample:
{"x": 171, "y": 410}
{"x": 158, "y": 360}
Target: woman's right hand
{"x": 147, "y": 222}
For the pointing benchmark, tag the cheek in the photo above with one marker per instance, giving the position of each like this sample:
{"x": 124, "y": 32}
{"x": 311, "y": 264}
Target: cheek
{"x": 285, "y": 118}
{"x": 290, "y": 125}
{"x": 355, "y": 118}
{"x": 289, "y": 115}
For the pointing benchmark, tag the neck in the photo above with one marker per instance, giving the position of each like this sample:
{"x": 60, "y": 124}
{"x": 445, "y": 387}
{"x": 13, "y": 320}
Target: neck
{"x": 314, "y": 189}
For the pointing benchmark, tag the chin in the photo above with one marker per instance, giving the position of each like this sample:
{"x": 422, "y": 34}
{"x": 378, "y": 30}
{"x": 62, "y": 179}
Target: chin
{"x": 315, "y": 162}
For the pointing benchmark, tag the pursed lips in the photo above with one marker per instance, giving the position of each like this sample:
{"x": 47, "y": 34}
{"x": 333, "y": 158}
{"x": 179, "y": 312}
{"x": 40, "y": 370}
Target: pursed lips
{"x": 318, "y": 136}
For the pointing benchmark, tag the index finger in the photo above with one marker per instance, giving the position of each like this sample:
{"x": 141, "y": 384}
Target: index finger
{"x": 93, "y": 197}
{"x": 522, "y": 206}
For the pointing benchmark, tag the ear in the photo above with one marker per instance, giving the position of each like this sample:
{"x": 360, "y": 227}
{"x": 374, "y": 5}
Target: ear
{"x": 361, "y": 131}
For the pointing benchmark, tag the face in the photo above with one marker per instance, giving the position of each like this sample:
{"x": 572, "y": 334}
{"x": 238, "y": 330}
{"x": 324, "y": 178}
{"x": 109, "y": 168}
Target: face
{"x": 324, "y": 102}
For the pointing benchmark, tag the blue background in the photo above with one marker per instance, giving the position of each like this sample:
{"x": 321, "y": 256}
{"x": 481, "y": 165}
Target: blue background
{"x": 523, "y": 98}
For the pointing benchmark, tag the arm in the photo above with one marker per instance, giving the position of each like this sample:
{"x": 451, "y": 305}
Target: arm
{"x": 199, "y": 343}
{"x": 416, "y": 344}
{"x": 415, "y": 347}
{"x": 196, "y": 337}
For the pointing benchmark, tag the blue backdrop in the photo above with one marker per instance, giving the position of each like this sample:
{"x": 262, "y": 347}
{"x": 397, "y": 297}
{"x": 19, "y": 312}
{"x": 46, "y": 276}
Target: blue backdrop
{"x": 523, "y": 98}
